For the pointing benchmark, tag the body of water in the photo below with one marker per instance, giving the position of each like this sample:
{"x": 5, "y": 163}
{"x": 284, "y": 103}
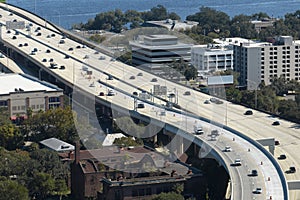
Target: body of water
{"x": 68, "y": 12}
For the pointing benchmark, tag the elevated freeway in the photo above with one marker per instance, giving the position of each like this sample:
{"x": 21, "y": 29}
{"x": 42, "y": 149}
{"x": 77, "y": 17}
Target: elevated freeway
{"x": 75, "y": 64}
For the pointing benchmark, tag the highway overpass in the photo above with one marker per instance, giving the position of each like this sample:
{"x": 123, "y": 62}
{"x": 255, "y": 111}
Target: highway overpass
{"x": 86, "y": 69}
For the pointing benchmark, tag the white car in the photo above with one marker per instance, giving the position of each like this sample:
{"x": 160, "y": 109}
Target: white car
{"x": 237, "y": 162}
{"x": 227, "y": 149}
{"x": 257, "y": 191}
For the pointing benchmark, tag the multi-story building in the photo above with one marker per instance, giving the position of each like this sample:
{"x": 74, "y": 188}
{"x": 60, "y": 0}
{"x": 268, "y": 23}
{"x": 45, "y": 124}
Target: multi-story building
{"x": 263, "y": 61}
{"x": 152, "y": 52}
{"x": 129, "y": 173}
{"x": 20, "y": 92}
{"x": 212, "y": 57}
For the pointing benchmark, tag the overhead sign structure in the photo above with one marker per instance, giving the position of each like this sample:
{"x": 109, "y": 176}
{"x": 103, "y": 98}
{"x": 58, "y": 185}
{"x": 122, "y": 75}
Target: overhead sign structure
{"x": 15, "y": 25}
{"x": 159, "y": 90}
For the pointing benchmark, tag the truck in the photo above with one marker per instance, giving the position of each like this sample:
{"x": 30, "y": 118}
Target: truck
{"x": 198, "y": 130}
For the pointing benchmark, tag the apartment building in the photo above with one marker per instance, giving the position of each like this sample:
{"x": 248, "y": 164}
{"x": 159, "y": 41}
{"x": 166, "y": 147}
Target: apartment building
{"x": 263, "y": 61}
{"x": 19, "y": 92}
{"x": 212, "y": 57}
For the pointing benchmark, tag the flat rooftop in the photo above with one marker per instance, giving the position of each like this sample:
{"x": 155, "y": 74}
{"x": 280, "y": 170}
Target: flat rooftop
{"x": 10, "y": 83}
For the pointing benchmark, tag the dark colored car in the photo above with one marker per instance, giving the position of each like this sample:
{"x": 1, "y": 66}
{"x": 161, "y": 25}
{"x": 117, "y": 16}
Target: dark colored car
{"x": 154, "y": 80}
{"x": 277, "y": 142}
{"x": 44, "y": 60}
{"x": 140, "y": 105}
{"x": 101, "y": 94}
{"x": 254, "y": 173}
{"x": 248, "y": 112}
{"x": 25, "y": 44}
{"x": 187, "y": 93}
{"x": 48, "y": 51}
{"x": 14, "y": 37}
{"x": 135, "y": 93}
{"x": 276, "y": 123}
{"x": 62, "y": 67}
{"x": 132, "y": 77}
{"x": 291, "y": 170}
{"x": 282, "y": 157}
{"x": 140, "y": 74}
{"x": 67, "y": 56}
{"x": 38, "y": 34}
{"x": 70, "y": 49}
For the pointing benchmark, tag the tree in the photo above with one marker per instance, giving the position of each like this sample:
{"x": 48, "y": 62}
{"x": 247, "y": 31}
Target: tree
{"x": 168, "y": 196}
{"x": 13, "y": 190}
{"x": 10, "y": 136}
{"x": 61, "y": 188}
{"x": 42, "y": 185}
{"x": 178, "y": 188}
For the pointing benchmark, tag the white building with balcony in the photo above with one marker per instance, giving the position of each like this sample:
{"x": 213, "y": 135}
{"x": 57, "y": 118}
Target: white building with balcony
{"x": 212, "y": 57}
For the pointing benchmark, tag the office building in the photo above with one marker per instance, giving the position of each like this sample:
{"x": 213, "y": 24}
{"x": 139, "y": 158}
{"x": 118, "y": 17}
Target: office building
{"x": 20, "y": 92}
{"x": 212, "y": 57}
{"x": 154, "y": 52}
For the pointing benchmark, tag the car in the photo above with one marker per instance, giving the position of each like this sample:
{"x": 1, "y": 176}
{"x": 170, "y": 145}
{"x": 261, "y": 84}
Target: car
{"x": 62, "y": 67}
{"x": 61, "y": 42}
{"x": 110, "y": 77}
{"x": 135, "y": 93}
{"x": 291, "y": 170}
{"x": 227, "y": 149}
{"x": 44, "y": 60}
{"x": 219, "y": 101}
{"x": 85, "y": 68}
{"x": 171, "y": 95}
{"x": 198, "y": 130}
{"x": 206, "y": 102}
{"x": 237, "y": 162}
{"x": 11, "y": 14}
{"x": 20, "y": 45}
{"x": 86, "y": 57}
{"x": 63, "y": 37}
{"x": 17, "y": 33}
{"x": 111, "y": 93}
{"x": 48, "y": 36}
{"x": 78, "y": 47}
{"x": 38, "y": 34}
{"x": 213, "y": 100}
{"x": 276, "y": 123}
{"x": 14, "y": 20}
{"x": 25, "y": 44}
{"x": 92, "y": 84}
{"x": 67, "y": 56}
{"x": 132, "y": 77}
{"x": 257, "y": 191}
{"x": 32, "y": 53}
{"x": 253, "y": 173}
{"x": 96, "y": 52}
{"x": 277, "y": 142}
{"x": 101, "y": 94}
{"x": 8, "y": 31}
{"x": 51, "y": 60}
{"x": 52, "y": 35}
{"x": 35, "y": 50}
{"x": 140, "y": 105}
{"x": 282, "y": 157}
{"x": 30, "y": 24}
{"x": 48, "y": 51}
{"x": 113, "y": 59}
{"x": 83, "y": 46}
{"x": 140, "y": 74}
{"x": 248, "y": 112}
{"x": 215, "y": 132}
{"x": 71, "y": 49}
{"x": 187, "y": 93}
{"x": 38, "y": 28}
{"x": 102, "y": 58}
{"x": 154, "y": 80}
{"x": 14, "y": 37}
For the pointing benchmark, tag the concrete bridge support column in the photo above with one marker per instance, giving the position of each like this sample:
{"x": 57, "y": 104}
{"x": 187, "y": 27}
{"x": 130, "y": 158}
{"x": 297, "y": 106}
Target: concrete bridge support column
{"x": 272, "y": 149}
